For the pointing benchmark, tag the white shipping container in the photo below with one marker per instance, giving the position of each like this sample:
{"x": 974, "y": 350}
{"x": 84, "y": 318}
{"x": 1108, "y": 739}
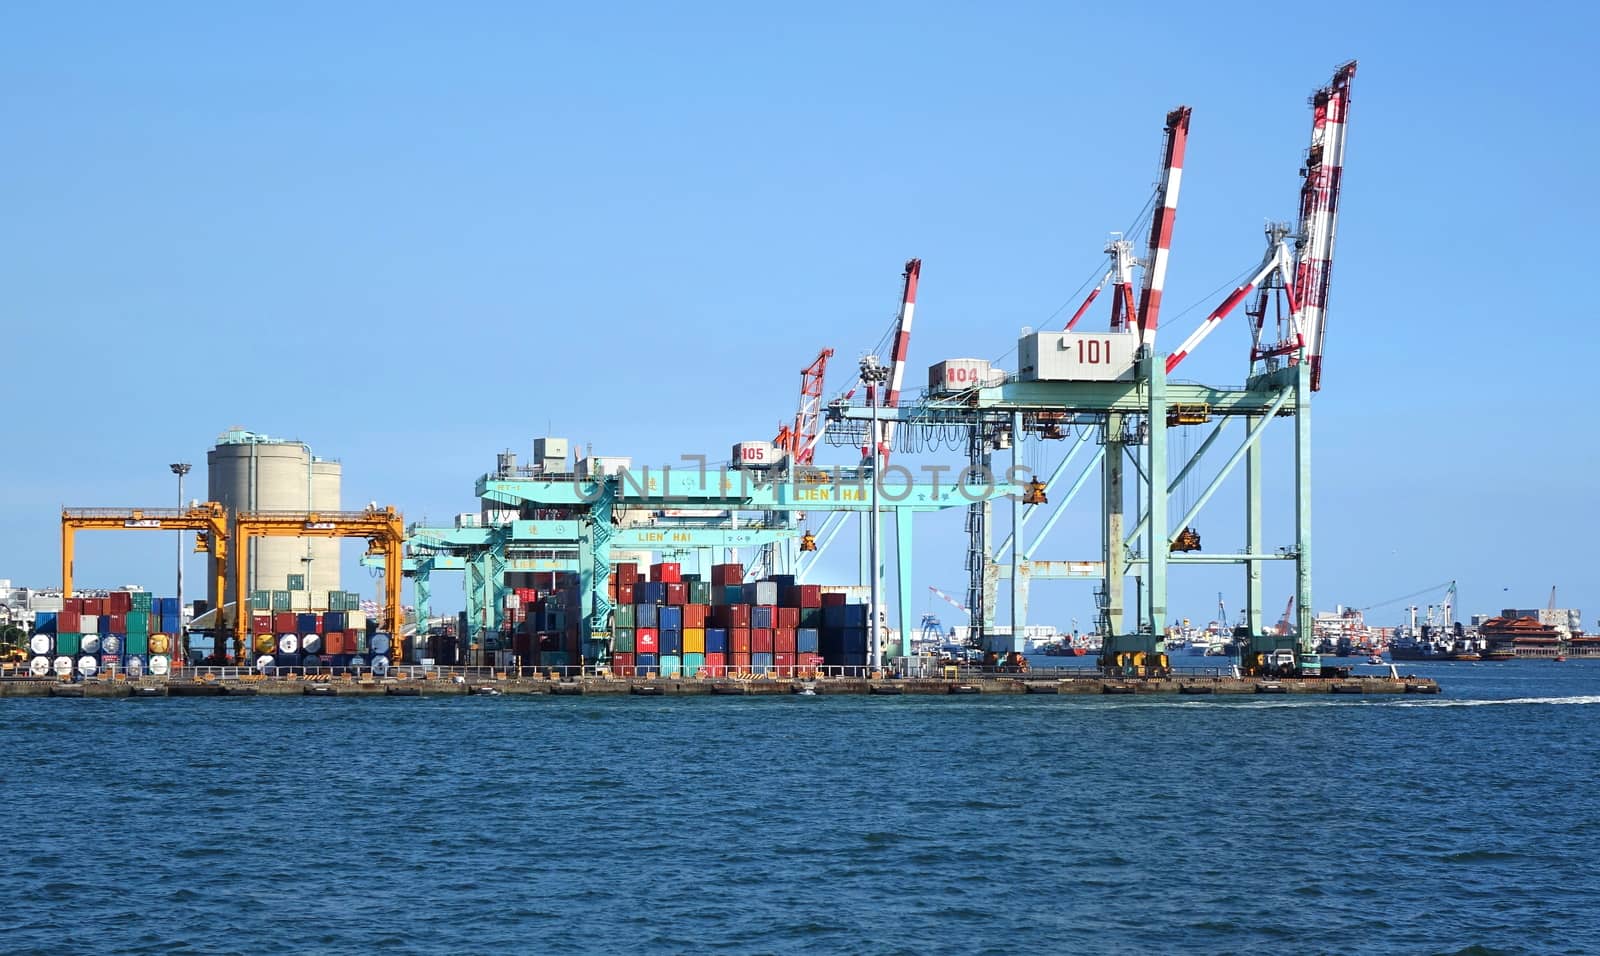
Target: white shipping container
{"x": 300, "y": 601}
{"x": 319, "y": 600}
{"x": 356, "y": 620}
{"x": 960, "y": 374}
{"x": 756, "y": 454}
{"x": 1076, "y": 356}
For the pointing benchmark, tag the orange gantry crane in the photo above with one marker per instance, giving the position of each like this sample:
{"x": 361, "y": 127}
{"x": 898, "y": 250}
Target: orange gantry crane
{"x": 382, "y": 527}
{"x": 209, "y": 521}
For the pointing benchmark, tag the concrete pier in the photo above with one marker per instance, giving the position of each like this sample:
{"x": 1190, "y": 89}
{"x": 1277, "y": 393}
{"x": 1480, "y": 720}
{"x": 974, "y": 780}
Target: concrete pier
{"x": 968, "y": 685}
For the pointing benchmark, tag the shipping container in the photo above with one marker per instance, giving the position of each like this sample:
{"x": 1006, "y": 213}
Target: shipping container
{"x": 670, "y": 618}
{"x": 646, "y": 615}
{"x": 671, "y": 642}
{"x": 136, "y": 645}
{"x": 693, "y": 664}
{"x": 761, "y": 640}
{"x": 694, "y": 615}
{"x": 671, "y": 665}
{"x": 806, "y": 641}
{"x": 761, "y": 592}
{"x": 761, "y": 663}
{"x": 650, "y": 592}
{"x": 717, "y": 664}
{"x": 694, "y": 640}
{"x": 716, "y": 640}
{"x": 723, "y": 574}
{"x": 786, "y": 617}
{"x": 44, "y": 622}
{"x": 739, "y": 641}
{"x": 763, "y": 615}
{"x": 647, "y": 640}
{"x": 622, "y": 615}
{"x": 699, "y": 592}
{"x": 646, "y": 665}
{"x": 783, "y": 640}
{"x": 667, "y": 572}
{"x": 677, "y": 593}
{"x": 622, "y": 640}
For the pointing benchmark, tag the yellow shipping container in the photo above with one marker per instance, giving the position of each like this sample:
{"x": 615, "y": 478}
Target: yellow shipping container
{"x": 694, "y": 640}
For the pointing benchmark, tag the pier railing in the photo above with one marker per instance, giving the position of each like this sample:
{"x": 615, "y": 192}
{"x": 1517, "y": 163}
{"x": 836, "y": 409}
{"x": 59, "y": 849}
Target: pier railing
{"x": 484, "y": 673}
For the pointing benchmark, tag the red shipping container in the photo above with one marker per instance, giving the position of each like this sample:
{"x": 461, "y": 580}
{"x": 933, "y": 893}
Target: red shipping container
{"x": 119, "y": 623}
{"x": 761, "y": 640}
{"x": 739, "y": 641}
{"x": 808, "y": 595}
{"x": 785, "y": 664}
{"x": 622, "y": 663}
{"x": 725, "y": 574}
{"x": 94, "y": 606}
{"x": 667, "y": 572}
{"x": 121, "y": 602}
{"x": 786, "y": 617}
{"x": 694, "y": 615}
{"x": 717, "y": 664}
{"x": 333, "y": 643}
{"x": 69, "y": 621}
{"x": 783, "y": 640}
{"x": 283, "y": 622}
{"x": 261, "y": 623}
{"x": 75, "y": 605}
{"x": 739, "y": 662}
{"x": 809, "y": 660}
{"x": 625, "y": 573}
{"x": 647, "y": 640}
{"x": 625, "y": 594}
{"x": 677, "y": 594}
{"x": 834, "y": 599}
{"x": 737, "y": 615}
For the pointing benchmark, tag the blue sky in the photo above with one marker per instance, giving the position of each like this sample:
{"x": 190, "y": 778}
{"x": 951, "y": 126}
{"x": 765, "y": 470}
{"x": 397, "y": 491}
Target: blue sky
{"x": 413, "y": 236}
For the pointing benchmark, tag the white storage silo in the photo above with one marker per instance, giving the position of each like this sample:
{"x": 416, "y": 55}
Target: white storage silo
{"x": 252, "y": 472}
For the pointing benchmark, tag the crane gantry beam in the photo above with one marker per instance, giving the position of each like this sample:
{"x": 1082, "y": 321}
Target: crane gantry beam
{"x": 209, "y": 519}
{"x": 382, "y": 527}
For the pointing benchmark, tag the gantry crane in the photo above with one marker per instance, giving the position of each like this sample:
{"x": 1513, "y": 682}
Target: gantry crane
{"x": 209, "y": 521}
{"x": 382, "y": 527}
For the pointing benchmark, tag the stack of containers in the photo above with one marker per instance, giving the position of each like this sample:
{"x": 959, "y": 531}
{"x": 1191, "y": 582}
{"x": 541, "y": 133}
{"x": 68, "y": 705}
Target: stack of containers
{"x": 310, "y": 639}
{"x": 677, "y": 624}
{"x": 543, "y": 622}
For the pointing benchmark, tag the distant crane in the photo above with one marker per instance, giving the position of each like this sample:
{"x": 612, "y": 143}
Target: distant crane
{"x": 899, "y": 347}
{"x": 1283, "y": 622}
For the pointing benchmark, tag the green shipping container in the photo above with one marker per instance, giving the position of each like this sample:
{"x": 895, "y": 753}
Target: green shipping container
{"x": 671, "y": 664}
{"x": 622, "y": 615}
{"x": 280, "y": 601}
{"x": 141, "y": 600}
{"x": 68, "y": 644}
{"x": 692, "y": 664}
{"x": 261, "y": 601}
{"x": 139, "y": 622}
{"x": 699, "y": 592}
{"x": 137, "y": 644}
{"x": 622, "y": 640}
{"x": 297, "y": 582}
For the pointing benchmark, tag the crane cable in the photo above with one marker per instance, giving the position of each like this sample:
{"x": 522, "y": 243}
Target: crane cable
{"x": 1407, "y": 597}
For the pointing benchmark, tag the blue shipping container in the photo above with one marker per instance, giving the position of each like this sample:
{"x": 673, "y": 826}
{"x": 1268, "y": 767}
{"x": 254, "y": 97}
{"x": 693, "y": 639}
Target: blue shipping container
{"x": 761, "y": 663}
{"x": 671, "y": 664}
{"x": 729, "y": 594}
{"x": 44, "y": 622}
{"x": 646, "y": 615}
{"x": 670, "y": 617}
{"x": 716, "y": 640}
{"x": 104, "y": 624}
{"x": 650, "y": 592}
{"x": 334, "y": 621}
{"x": 761, "y": 616}
{"x": 169, "y": 625}
{"x": 807, "y": 641}
{"x": 646, "y": 665}
{"x": 692, "y": 663}
{"x": 168, "y": 606}
{"x": 671, "y": 642}
{"x": 305, "y": 623}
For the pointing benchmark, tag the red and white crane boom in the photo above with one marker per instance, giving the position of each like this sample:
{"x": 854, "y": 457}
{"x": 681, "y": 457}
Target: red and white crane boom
{"x": 1319, "y": 208}
{"x": 1166, "y": 212}
{"x": 898, "y": 349}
